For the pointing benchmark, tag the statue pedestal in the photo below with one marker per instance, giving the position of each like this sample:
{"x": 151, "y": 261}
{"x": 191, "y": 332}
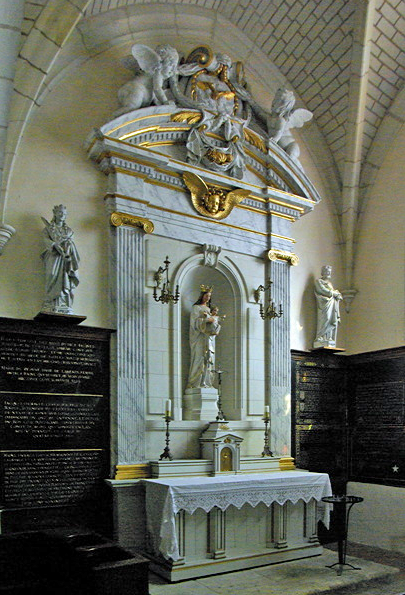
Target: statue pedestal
{"x": 201, "y": 403}
{"x": 59, "y": 318}
{"x": 327, "y": 348}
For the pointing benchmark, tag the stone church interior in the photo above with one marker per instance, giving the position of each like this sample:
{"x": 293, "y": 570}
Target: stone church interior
{"x": 202, "y": 273}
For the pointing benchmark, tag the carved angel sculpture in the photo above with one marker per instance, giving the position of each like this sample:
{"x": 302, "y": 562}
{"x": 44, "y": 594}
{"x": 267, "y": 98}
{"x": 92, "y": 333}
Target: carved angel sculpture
{"x": 282, "y": 118}
{"x": 212, "y": 201}
{"x": 147, "y": 87}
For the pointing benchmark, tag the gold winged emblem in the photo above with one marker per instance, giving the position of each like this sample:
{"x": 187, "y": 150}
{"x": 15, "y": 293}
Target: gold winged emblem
{"x": 212, "y": 201}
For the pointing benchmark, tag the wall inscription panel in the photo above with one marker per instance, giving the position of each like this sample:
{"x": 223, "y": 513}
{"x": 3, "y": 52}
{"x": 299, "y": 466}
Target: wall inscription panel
{"x": 386, "y": 400}
{"x": 54, "y": 414}
{"x": 377, "y": 417}
{"x": 319, "y": 419}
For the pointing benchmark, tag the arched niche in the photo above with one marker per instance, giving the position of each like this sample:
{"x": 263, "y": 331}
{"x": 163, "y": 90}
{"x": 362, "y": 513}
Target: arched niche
{"x": 229, "y": 294}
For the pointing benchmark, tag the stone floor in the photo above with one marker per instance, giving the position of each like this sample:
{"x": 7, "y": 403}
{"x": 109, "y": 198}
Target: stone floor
{"x": 382, "y": 573}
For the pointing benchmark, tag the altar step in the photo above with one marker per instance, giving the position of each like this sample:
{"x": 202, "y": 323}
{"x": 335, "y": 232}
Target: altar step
{"x": 309, "y": 576}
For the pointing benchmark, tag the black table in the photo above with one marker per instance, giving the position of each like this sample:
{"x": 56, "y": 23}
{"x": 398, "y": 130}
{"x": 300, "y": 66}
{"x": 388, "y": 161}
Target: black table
{"x": 342, "y": 506}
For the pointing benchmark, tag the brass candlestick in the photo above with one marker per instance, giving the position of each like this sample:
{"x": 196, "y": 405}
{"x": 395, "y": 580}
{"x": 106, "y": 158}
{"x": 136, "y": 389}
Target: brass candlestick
{"x": 266, "y": 451}
{"x": 166, "y": 454}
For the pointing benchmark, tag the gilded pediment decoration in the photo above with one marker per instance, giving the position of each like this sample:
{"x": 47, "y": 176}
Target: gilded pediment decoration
{"x": 212, "y": 201}
{"x": 255, "y": 140}
{"x": 188, "y": 117}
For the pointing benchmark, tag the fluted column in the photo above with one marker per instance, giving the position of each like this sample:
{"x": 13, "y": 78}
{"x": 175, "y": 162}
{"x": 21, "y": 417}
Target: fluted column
{"x": 278, "y": 353}
{"x": 127, "y": 296}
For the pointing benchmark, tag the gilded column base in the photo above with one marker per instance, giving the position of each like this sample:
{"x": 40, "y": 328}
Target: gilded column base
{"x": 286, "y": 464}
{"x": 139, "y": 471}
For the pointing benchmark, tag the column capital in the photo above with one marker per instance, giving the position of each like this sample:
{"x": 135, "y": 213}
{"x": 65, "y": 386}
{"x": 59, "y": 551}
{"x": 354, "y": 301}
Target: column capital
{"x": 117, "y": 219}
{"x": 275, "y": 254}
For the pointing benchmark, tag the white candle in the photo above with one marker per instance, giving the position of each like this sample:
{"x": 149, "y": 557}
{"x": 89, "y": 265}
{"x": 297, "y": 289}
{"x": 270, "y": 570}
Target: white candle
{"x": 266, "y": 411}
{"x": 168, "y": 407}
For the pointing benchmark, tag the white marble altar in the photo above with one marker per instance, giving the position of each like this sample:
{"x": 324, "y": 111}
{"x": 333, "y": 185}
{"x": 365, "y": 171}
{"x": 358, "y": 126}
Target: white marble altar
{"x": 247, "y": 519}
{"x": 232, "y": 231}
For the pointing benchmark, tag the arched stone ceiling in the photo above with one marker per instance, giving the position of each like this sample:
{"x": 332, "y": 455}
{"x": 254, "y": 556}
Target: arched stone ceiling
{"x": 343, "y": 58}
{"x": 311, "y": 42}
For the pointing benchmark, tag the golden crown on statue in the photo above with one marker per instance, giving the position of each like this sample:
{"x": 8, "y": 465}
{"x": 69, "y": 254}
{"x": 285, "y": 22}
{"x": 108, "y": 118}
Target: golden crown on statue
{"x": 206, "y": 288}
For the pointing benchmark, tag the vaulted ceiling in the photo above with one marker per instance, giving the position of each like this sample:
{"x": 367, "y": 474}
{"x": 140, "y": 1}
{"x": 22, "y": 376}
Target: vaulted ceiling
{"x": 344, "y": 59}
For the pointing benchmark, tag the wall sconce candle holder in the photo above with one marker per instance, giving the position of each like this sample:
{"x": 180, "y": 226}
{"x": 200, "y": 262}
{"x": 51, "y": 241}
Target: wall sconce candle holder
{"x": 166, "y": 297}
{"x": 270, "y": 310}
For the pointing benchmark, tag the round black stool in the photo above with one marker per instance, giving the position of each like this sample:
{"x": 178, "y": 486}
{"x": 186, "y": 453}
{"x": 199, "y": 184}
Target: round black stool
{"x": 342, "y": 506}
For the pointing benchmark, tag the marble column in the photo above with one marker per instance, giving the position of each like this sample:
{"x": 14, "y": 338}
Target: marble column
{"x": 278, "y": 358}
{"x": 127, "y": 297}
{"x": 11, "y": 16}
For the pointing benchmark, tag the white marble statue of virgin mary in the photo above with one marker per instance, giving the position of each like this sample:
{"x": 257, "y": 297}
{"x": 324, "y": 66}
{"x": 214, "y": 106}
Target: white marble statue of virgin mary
{"x": 203, "y": 329}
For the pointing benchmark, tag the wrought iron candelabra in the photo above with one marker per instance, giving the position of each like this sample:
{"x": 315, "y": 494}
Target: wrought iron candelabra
{"x": 165, "y": 296}
{"x": 270, "y": 311}
{"x": 166, "y": 454}
{"x": 266, "y": 450}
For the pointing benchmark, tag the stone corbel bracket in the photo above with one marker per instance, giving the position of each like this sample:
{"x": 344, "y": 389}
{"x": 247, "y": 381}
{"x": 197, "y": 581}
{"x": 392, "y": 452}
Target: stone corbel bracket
{"x": 6, "y": 233}
{"x": 117, "y": 219}
{"x": 289, "y": 257}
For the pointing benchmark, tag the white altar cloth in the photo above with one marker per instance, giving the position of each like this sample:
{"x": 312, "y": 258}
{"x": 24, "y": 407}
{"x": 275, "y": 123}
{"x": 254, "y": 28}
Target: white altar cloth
{"x": 165, "y": 497}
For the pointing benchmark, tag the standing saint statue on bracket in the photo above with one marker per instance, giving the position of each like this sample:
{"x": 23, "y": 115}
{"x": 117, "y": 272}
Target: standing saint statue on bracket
{"x": 61, "y": 261}
{"x": 204, "y": 328}
{"x": 328, "y": 317}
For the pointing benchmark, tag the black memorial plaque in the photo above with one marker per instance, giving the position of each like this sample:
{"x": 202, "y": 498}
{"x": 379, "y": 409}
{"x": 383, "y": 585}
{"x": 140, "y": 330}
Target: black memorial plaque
{"x": 349, "y": 415}
{"x": 37, "y": 363}
{"x": 321, "y": 449}
{"x": 45, "y": 478}
{"x": 319, "y": 434}
{"x": 319, "y": 394}
{"x": 378, "y": 455}
{"x": 381, "y": 403}
{"x": 54, "y": 414}
{"x": 52, "y": 420}
{"x": 377, "y": 417}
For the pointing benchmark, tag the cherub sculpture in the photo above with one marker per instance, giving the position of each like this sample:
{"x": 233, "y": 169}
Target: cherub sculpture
{"x": 282, "y": 118}
{"x": 212, "y": 201}
{"x": 147, "y": 87}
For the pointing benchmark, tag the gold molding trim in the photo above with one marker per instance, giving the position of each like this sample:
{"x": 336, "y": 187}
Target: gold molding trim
{"x": 117, "y": 219}
{"x": 259, "y": 175}
{"x": 254, "y": 139}
{"x": 286, "y": 464}
{"x": 289, "y": 257}
{"x": 260, "y": 233}
{"x": 139, "y": 471}
{"x": 256, "y": 158}
{"x": 188, "y": 117}
{"x": 137, "y": 120}
{"x": 279, "y": 173}
{"x": 282, "y": 216}
{"x": 156, "y": 129}
{"x": 118, "y": 195}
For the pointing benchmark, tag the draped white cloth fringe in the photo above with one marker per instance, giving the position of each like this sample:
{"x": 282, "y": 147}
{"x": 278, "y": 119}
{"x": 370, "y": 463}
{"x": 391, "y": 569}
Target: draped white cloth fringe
{"x": 166, "y": 497}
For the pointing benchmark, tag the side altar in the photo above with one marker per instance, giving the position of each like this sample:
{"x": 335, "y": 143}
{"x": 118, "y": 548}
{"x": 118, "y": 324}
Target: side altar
{"x": 198, "y": 528}
{"x": 203, "y": 187}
